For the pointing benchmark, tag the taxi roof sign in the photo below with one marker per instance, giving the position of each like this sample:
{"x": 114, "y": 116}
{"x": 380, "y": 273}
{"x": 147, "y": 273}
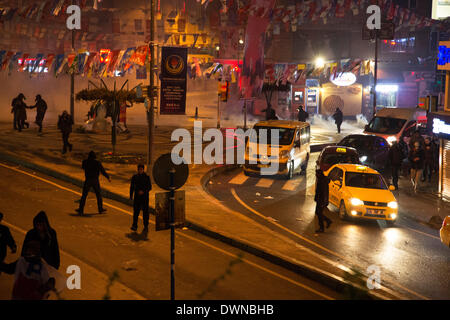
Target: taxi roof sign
{"x": 342, "y": 150}
{"x": 361, "y": 168}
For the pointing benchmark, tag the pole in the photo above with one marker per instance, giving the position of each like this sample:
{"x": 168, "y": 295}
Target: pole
{"x": 72, "y": 79}
{"x": 218, "y": 111}
{"x": 151, "y": 114}
{"x": 375, "y": 75}
{"x": 172, "y": 234}
{"x": 245, "y": 114}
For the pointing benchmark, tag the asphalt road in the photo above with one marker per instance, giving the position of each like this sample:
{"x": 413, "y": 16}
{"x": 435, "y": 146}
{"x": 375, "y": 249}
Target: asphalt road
{"x": 205, "y": 268}
{"x": 410, "y": 255}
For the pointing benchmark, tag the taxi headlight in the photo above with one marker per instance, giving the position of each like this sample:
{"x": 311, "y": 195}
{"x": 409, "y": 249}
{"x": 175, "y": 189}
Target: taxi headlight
{"x": 284, "y": 154}
{"x": 356, "y": 202}
{"x": 393, "y": 205}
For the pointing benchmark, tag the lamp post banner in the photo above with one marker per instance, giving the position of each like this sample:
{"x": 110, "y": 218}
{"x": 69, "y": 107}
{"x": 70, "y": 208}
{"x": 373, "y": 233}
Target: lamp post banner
{"x": 173, "y": 80}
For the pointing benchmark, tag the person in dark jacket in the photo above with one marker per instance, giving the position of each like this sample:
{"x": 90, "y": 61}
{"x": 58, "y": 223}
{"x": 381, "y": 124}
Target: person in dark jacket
{"x": 41, "y": 108}
{"x": 416, "y": 158}
{"x": 43, "y": 233}
{"x": 416, "y": 137}
{"x": 428, "y": 164}
{"x": 19, "y": 109}
{"x": 321, "y": 199}
{"x": 92, "y": 169}
{"x": 65, "y": 122}
{"x": 302, "y": 114}
{"x": 395, "y": 157}
{"x": 338, "y": 118}
{"x": 139, "y": 188}
{"x": 6, "y": 240}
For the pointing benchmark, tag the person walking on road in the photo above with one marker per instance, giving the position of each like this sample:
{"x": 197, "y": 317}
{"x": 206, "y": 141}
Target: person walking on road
{"x": 302, "y": 114}
{"x": 65, "y": 122}
{"x": 20, "y": 113}
{"x": 416, "y": 158}
{"x": 139, "y": 188}
{"x": 428, "y": 164}
{"x": 338, "y": 118}
{"x": 41, "y": 108}
{"x": 321, "y": 199}
{"x": 92, "y": 169}
{"x": 43, "y": 233}
{"x": 395, "y": 157}
{"x": 6, "y": 240}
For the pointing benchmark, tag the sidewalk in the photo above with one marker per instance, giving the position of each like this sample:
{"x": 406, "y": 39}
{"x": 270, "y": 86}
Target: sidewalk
{"x": 203, "y": 212}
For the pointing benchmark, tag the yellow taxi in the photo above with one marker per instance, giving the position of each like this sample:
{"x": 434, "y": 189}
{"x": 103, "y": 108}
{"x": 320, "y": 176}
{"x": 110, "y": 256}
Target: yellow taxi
{"x": 361, "y": 192}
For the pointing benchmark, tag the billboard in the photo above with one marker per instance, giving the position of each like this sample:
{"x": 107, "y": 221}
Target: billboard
{"x": 441, "y": 9}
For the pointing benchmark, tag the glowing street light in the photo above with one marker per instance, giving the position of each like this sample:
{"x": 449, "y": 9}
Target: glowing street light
{"x": 320, "y": 63}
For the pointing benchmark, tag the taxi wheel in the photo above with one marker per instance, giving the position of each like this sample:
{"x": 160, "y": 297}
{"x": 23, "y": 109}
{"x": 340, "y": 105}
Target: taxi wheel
{"x": 290, "y": 173}
{"x": 342, "y": 211}
{"x": 246, "y": 173}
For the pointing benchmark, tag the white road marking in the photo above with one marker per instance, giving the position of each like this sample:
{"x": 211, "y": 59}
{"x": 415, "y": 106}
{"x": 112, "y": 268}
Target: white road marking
{"x": 239, "y": 179}
{"x": 265, "y": 183}
{"x": 292, "y": 184}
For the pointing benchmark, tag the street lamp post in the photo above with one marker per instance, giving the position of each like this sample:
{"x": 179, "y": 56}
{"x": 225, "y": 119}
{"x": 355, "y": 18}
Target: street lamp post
{"x": 152, "y": 91}
{"x": 375, "y": 75}
{"x": 72, "y": 79}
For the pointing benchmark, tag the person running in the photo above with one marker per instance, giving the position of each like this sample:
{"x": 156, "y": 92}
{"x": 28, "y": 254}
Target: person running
{"x": 41, "y": 108}
{"x": 92, "y": 169}
{"x": 139, "y": 188}
{"x": 338, "y": 118}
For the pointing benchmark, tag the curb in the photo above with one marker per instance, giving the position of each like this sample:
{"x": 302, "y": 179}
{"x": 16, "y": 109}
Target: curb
{"x": 331, "y": 281}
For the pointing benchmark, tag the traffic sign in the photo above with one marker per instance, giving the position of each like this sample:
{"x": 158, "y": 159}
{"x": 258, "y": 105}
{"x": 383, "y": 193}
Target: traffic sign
{"x": 164, "y": 168}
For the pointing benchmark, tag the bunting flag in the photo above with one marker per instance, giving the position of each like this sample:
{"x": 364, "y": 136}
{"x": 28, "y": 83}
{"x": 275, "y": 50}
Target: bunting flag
{"x": 88, "y": 65}
{"x": 60, "y": 61}
{"x": 112, "y": 62}
{"x": 140, "y": 55}
{"x": 49, "y": 61}
{"x": 6, "y": 58}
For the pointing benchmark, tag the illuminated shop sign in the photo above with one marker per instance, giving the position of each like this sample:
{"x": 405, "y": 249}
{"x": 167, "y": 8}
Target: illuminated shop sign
{"x": 344, "y": 79}
{"x": 439, "y": 124}
{"x": 443, "y": 62}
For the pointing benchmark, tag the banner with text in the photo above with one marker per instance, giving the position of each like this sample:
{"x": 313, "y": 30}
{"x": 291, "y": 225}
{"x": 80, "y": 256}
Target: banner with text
{"x": 173, "y": 80}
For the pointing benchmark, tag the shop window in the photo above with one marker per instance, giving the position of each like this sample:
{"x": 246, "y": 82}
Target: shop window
{"x": 400, "y": 45}
{"x": 387, "y": 99}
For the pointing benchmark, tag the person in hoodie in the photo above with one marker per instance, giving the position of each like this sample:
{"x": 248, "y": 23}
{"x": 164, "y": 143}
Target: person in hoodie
{"x": 46, "y": 236}
{"x": 32, "y": 280}
{"x": 92, "y": 169}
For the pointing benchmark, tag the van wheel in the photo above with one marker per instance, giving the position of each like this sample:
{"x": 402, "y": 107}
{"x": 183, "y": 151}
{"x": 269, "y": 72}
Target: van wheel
{"x": 305, "y": 165}
{"x": 342, "y": 211}
{"x": 246, "y": 173}
{"x": 290, "y": 173}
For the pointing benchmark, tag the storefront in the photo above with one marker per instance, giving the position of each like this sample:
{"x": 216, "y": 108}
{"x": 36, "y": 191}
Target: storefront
{"x": 439, "y": 123}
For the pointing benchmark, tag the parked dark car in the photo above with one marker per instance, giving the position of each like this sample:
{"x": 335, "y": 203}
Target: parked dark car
{"x": 332, "y": 155}
{"x": 373, "y": 150}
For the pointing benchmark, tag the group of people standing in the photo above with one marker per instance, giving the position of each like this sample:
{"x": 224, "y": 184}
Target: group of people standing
{"x": 421, "y": 154}
{"x": 39, "y": 256}
{"x": 19, "y": 110}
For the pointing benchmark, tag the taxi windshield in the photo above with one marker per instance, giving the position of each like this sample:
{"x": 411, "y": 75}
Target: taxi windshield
{"x": 334, "y": 158}
{"x": 263, "y": 135}
{"x": 364, "y": 180}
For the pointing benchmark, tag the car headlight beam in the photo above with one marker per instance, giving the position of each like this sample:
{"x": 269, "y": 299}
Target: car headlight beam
{"x": 393, "y": 205}
{"x": 356, "y": 202}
